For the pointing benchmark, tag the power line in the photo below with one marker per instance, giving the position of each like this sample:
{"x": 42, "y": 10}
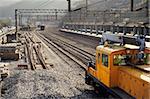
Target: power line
{"x": 102, "y": 1}
{"x": 96, "y": 3}
{"x": 41, "y": 4}
{"x": 89, "y": 5}
{"x": 47, "y": 3}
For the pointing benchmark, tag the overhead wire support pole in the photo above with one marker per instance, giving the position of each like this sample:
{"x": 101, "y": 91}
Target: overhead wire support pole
{"x": 69, "y": 9}
{"x": 132, "y": 5}
{"x": 69, "y": 5}
{"x": 147, "y": 8}
{"x": 86, "y": 7}
{"x": 56, "y": 13}
{"x": 16, "y": 24}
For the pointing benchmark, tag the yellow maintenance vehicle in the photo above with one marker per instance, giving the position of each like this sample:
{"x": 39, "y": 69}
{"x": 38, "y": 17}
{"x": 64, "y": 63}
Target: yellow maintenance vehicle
{"x": 122, "y": 67}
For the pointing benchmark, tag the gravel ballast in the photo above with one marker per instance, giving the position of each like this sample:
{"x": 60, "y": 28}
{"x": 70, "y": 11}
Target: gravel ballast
{"x": 65, "y": 79}
{"x": 44, "y": 85}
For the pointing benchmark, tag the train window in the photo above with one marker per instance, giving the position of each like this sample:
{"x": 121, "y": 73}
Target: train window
{"x": 122, "y": 60}
{"x": 119, "y": 60}
{"x": 145, "y": 61}
{"x": 98, "y": 60}
{"x": 105, "y": 60}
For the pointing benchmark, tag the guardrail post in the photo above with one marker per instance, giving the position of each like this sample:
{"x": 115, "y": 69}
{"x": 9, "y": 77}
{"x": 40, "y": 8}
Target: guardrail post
{"x": 124, "y": 30}
{"x": 96, "y": 29}
{"x": 77, "y": 27}
{"x": 112, "y": 29}
{"x": 85, "y": 28}
{"x": 91, "y": 29}
{"x": 134, "y": 30}
{"x": 117, "y": 29}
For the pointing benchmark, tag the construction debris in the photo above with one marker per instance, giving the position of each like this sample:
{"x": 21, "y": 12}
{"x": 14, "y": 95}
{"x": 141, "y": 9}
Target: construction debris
{"x": 10, "y": 50}
{"x": 4, "y": 70}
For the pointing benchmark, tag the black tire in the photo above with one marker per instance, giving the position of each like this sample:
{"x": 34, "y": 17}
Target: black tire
{"x": 102, "y": 92}
{"x": 87, "y": 78}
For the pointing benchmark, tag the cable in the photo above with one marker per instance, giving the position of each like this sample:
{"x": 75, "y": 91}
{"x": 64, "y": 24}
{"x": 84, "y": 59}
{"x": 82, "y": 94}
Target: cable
{"x": 47, "y": 3}
{"x": 42, "y": 3}
{"x": 121, "y": 6}
{"x": 96, "y": 3}
{"x": 93, "y": 4}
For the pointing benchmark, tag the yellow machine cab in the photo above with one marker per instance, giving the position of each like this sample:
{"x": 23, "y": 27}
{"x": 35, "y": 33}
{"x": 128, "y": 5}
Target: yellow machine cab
{"x": 122, "y": 68}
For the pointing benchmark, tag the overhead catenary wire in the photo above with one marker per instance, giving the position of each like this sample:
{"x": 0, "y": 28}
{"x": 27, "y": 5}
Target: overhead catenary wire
{"x": 37, "y": 6}
{"x": 102, "y": 1}
{"x": 48, "y": 3}
{"x": 89, "y": 5}
{"x": 44, "y": 3}
{"x": 96, "y": 3}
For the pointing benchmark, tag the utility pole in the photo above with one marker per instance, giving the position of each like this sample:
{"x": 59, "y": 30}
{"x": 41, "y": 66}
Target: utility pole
{"x": 132, "y": 5}
{"x": 16, "y": 23}
{"x": 69, "y": 5}
{"x": 69, "y": 9}
{"x": 147, "y": 8}
{"x": 86, "y": 7}
{"x": 56, "y": 14}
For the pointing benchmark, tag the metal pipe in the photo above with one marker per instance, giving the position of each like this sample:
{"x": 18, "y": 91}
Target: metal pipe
{"x": 16, "y": 24}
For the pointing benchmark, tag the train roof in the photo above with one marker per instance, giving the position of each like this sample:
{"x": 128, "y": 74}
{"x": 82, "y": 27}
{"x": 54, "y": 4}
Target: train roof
{"x": 116, "y": 47}
{"x": 110, "y": 49}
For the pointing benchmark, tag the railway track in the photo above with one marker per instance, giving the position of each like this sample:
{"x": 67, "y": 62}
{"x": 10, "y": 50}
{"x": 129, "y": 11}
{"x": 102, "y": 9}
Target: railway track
{"x": 35, "y": 56}
{"x": 76, "y": 54}
{"x": 80, "y": 53}
{"x": 85, "y": 40}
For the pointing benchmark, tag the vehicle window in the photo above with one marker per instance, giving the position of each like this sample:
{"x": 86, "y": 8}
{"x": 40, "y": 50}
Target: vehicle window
{"x": 147, "y": 59}
{"x": 98, "y": 58}
{"x": 122, "y": 60}
{"x": 119, "y": 60}
{"x": 105, "y": 60}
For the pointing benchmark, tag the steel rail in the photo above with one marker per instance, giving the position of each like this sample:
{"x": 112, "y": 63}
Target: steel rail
{"x": 62, "y": 50}
{"x": 79, "y": 50}
{"x": 38, "y": 54}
